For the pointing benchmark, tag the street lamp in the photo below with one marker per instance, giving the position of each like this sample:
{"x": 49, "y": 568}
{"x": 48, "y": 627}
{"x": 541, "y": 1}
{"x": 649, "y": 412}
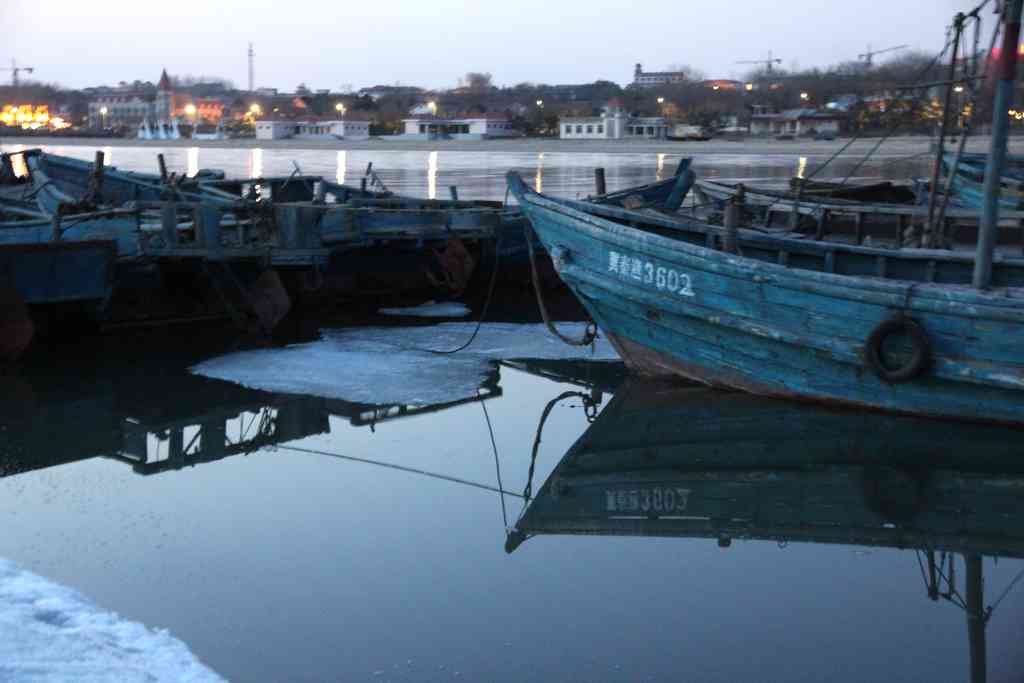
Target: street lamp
{"x": 540, "y": 103}
{"x": 340, "y": 108}
{"x": 661, "y": 100}
{"x": 958, "y": 88}
{"x": 432, "y": 106}
{"x": 805, "y": 96}
{"x": 103, "y": 114}
{"x": 749, "y": 87}
{"x": 256, "y": 109}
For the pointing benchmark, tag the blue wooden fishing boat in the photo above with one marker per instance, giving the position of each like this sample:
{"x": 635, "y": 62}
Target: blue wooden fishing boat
{"x": 925, "y": 331}
{"x": 968, "y": 179}
{"x": 788, "y": 317}
{"x": 70, "y": 179}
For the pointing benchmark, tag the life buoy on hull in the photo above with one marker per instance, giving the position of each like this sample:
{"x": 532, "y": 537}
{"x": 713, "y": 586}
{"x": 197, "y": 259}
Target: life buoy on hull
{"x": 920, "y": 358}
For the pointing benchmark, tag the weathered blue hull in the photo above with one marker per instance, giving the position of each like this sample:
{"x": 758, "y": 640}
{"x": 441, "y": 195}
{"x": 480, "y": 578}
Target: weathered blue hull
{"x": 60, "y": 272}
{"x": 64, "y": 277}
{"x": 672, "y": 307}
{"x": 122, "y": 229}
{"x": 969, "y": 180}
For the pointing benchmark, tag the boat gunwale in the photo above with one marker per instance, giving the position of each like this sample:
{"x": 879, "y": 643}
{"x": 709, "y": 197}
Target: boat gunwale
{"x": 810, "y": 204}
{"x": 1003, "y": 306}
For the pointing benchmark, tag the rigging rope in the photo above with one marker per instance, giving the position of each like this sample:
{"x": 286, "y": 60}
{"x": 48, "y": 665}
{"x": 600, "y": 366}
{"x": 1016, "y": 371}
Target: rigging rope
{"x": 892, "y": 129}
{"x": 1006, "y": 592}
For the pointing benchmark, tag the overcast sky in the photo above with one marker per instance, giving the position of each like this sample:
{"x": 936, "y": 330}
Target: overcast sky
{"x": 330, "y": 43}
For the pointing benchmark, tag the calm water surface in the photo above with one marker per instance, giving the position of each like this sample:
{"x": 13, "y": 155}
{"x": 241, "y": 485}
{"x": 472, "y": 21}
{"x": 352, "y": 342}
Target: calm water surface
{"x": 653, "y": 535}
{"x": 694, "y": 535}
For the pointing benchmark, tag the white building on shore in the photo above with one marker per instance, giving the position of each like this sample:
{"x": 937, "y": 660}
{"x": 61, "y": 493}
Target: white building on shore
{"x": 795, "y": 122}
{"x": 613, "y": 124}
{"x": 481, "y": 127}
{"x": 310, "y": 129}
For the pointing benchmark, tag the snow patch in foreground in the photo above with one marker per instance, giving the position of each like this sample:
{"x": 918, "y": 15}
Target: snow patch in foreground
{"x": 51, "y": 633}
{"x": 389, "y": 365}
{"x": 445, "y": 309}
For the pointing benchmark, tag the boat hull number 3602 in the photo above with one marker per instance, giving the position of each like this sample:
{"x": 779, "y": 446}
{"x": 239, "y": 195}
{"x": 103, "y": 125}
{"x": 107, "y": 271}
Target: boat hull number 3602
{"x": 645, "y": 272}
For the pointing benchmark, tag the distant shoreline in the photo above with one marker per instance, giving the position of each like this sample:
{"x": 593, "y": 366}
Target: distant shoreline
{"x": 894, "y": 147}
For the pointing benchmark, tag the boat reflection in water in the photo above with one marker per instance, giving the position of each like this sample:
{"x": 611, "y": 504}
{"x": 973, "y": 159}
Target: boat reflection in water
{"x": 160, "y": 420}
{"x": 697, "y": 463}
{"x": 158, "y": 423}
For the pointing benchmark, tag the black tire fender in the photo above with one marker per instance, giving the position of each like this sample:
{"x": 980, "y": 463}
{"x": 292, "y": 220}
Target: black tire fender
{"x": 921, "y": 356}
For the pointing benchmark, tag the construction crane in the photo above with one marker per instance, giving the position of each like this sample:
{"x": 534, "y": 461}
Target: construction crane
{"x": 869, "y": 56}
{"x": 768, "y": 63}
{"x": 15, "y": 70}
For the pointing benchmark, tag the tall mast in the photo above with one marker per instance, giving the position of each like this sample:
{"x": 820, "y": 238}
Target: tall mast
{"x": 1007, "y": 70}
{"x": 958, "y": 28}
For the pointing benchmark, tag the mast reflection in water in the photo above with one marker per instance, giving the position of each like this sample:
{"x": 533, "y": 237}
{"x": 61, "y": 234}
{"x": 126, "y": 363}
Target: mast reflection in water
{"x": 667, "y": 461}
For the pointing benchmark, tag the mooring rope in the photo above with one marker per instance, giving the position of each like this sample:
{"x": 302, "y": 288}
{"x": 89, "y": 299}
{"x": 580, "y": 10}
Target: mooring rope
{"x": 400, "y": 468}
{"x": 497, "y": 462}
{"x": 483, "y": 311}
{"x": 590, "y": 408}
{"x": 589, "y": 335}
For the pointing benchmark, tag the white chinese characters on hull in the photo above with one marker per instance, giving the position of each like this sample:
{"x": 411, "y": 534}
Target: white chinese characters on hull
{"x": 647, "y": 273}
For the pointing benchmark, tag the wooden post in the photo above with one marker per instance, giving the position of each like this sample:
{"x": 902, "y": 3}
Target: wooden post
{"x": 599, "y": 182}
{"x": 96, "y": 184}
{"x": 169, "y": 223}
{"x": 684, "y": 181}
{"x": 163, "y": 167}
{"x": 732, "y": 220}
{"x": 362, "y": 184}
{"x": 794, "y": 217}
{"x": 455, "y": 193}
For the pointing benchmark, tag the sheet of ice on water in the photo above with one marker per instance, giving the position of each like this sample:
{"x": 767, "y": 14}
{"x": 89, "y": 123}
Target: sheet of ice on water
{"x": 51, "y": 633}
{"x": 444, "y": 309}
{"x": 389, "y": 364}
